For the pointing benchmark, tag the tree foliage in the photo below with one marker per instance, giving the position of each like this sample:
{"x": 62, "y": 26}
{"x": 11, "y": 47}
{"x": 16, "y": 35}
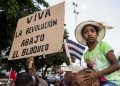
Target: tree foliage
{"x": 10, "y": 12}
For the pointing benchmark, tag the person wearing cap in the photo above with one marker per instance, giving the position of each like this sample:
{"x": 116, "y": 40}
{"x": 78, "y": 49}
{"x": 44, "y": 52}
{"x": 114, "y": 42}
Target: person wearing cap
{"x": 99, "y": 56}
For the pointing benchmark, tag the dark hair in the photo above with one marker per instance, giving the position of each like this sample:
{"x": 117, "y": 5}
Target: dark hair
{"x": 68, "y": 78}
{"x": 95, "y": 27}
{"x": 26, "y": 79}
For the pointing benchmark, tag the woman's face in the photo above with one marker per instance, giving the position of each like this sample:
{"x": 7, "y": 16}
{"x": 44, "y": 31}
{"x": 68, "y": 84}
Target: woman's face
{"x": 90, "y": 34}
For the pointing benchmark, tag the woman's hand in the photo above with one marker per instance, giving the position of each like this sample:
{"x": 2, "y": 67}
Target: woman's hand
{"x": 90, "y": 77}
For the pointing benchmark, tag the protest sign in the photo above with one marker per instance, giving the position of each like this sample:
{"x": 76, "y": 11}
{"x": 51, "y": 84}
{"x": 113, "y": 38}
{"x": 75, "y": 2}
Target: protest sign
{"x": 39, "y": 33}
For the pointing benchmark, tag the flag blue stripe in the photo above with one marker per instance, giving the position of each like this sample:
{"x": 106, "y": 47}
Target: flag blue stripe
{"x": 76, "y": 50}
{"x": 71, "y": 42}
{"x": 73, "y": 55}
{"x": 71, "y": 48}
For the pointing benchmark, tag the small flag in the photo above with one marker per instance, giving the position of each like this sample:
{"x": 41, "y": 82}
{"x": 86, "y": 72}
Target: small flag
{"x": 76, "y": 50}
{"x": 12, "y": 74}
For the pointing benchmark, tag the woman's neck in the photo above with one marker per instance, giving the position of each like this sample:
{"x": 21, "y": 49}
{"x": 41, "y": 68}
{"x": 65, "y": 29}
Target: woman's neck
{"x": 92, "y": 45}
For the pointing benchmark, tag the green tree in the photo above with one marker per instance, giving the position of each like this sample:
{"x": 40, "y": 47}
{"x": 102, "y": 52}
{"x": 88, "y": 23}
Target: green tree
{"x": 66, "y": 34}
{"x": 10, "y": 12}
{"x": 51, "y": 61}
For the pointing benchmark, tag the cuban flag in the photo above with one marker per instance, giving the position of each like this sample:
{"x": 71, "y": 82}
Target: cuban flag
{"x": 75, "y": 50}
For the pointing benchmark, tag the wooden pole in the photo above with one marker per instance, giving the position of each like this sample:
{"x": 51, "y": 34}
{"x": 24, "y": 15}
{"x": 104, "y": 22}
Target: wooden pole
{"x": 68, "y": 55}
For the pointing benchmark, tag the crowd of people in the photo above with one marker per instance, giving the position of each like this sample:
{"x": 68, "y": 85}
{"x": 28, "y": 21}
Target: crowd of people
{"x": 54, "y": 78}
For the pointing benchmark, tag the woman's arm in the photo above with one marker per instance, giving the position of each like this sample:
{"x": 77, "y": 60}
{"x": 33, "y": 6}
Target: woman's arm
{"x": 31, "y": 66}
{"x": 91, "y": 77}
{"x": 114, "y": 64}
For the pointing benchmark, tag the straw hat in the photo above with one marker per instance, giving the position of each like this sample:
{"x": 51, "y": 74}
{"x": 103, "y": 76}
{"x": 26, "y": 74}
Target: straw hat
{"x": 79, "y": 28}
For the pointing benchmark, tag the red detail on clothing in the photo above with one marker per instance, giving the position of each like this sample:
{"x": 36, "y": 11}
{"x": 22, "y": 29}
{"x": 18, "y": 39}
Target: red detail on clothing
{"x": 102, "y": 79}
